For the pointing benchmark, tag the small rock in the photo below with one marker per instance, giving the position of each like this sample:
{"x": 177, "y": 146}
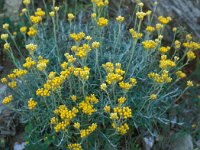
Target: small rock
{"x": 19, "y": 146}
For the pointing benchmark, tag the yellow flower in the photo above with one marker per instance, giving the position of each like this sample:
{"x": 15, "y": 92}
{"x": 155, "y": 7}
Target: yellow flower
{"x": 29, "y": 63}
{"x": 32, "y": 104}
{"x": 114, "y": 116}
{"x": 94, "y": 15}
{"x": 70, "y": 16}
{"x": 12, "y": 84}
{"x": 150, "y": 44}
{"x": 23, "y": 29}
{"x": 32, "y": 31}
{"x": 103, "y": 86}
{"x": 121, "y": 100}
{"x": 88, "y": 131}
{"x": 141, "y": 15}
{"x": 39, "y": 12}
{"x": 102, "y": 22}
{"x": 35, "y": 19}
{"x": 52, "y": 13}
{"x": 180, "y": 74}
{"x": 191, "y": 55}
{"x": 7, "y": 99}
{"x": 177, "y": 44}
{"x": 95, "y": 45}
{"x": 123, "y": 129}
{"x": 120, "y": 19}
{"x": 107, "y": 109}
{"x": 164, "y": 49}
{"x": 159, "y": 26}
{"x": 5, "y": 26}
{"x": 73, "y": 98}
{"x": 77, "y": 125}
{"x": 75, "y": 146}
{"x": 88, "y": 38}
{"x": 190, "y": 83}
{"x": 31, "y": 48}
{"x": 153, "y": 96}
{"x": 56, "y": 8}
{"x": 26, "y": 2}
{"x": 135, "y": 35}
{"x": 164, "y": 20}
{"x": 150, "y": 29}
{"x": 6, "y": 46}
{"x": 4, "y": 80}
{"x": 4, "y": 36}
{"x": 77, "y": 37}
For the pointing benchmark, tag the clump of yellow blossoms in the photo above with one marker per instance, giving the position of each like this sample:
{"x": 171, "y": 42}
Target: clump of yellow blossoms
{"x": 86, "y": 106}
{"x": 32, "y": 104}
{"x": 7, "y": 99}
{"x": 64, "y": 118}
{"x": 150, "y": 44}
{"x": 102, "y": 22}
{"x": 77, "y": 37}
{"x": 75, "y": 146}
{"x": 88, "y": 131}
{"x": 120, "y": 19}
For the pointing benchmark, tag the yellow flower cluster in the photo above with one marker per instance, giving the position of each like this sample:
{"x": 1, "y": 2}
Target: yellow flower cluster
{"x": 5, "y": 26}
{"x": 12, "y": 84}
{"x": 127, "y": 85}
{"x": 166, "y": 63}
{"x": 6, "y": 46}
{"x": 122, "y": 129}
{"x": 191, "y": 45}
{"x": 150, "y": 29}
{"x": 65, "y": 115}
{"x": 100, "y": 3}
{"x": 4, "y": 36}
{"x": 31, "y": 48}
{"x": 114, "y": 74}
{"x": 149, "y": 44}
{"x": 153, "y": 96}
{"x": 42, "y": 63}
{"x": 102, "y": 22}
{"x": 29, "y": 63}
{"x": 141, "y": 15}
{"x": 70, "y": 58}
{"x": 77, "y": 125}
{"x": 82, "y": 73}
{"x": 32, "y": 31}
{"x": 70, "y": 16}
{"x": 164, "y": 49}
{"x": 191, "y": 55}
{"x": 81, "y": 51}
{"x": 77, "y": 37}
{"x": 35, "y": 19}
{"x": 180, "y": 74}
{"x": 164, "y": 20}
{"x": 32, "y": 104}
{"x": 75, "y": 146}
{"x": 23, "y": 29}
{"x": 164, "y": 77}
{"x": 7, "y": 99}
{"x": 39, "y": 12}
{"x": 88, "y": 131}
{"x": 190, "y": 83}
{"x": 120, "y": 19}
{"x": 135, "y": 35}
{"x": 86, "y": 106}
{"x": 26, "y": 2}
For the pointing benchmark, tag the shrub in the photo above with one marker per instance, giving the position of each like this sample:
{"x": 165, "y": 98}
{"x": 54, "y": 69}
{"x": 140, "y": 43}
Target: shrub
{"x": 86, "y": 82}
